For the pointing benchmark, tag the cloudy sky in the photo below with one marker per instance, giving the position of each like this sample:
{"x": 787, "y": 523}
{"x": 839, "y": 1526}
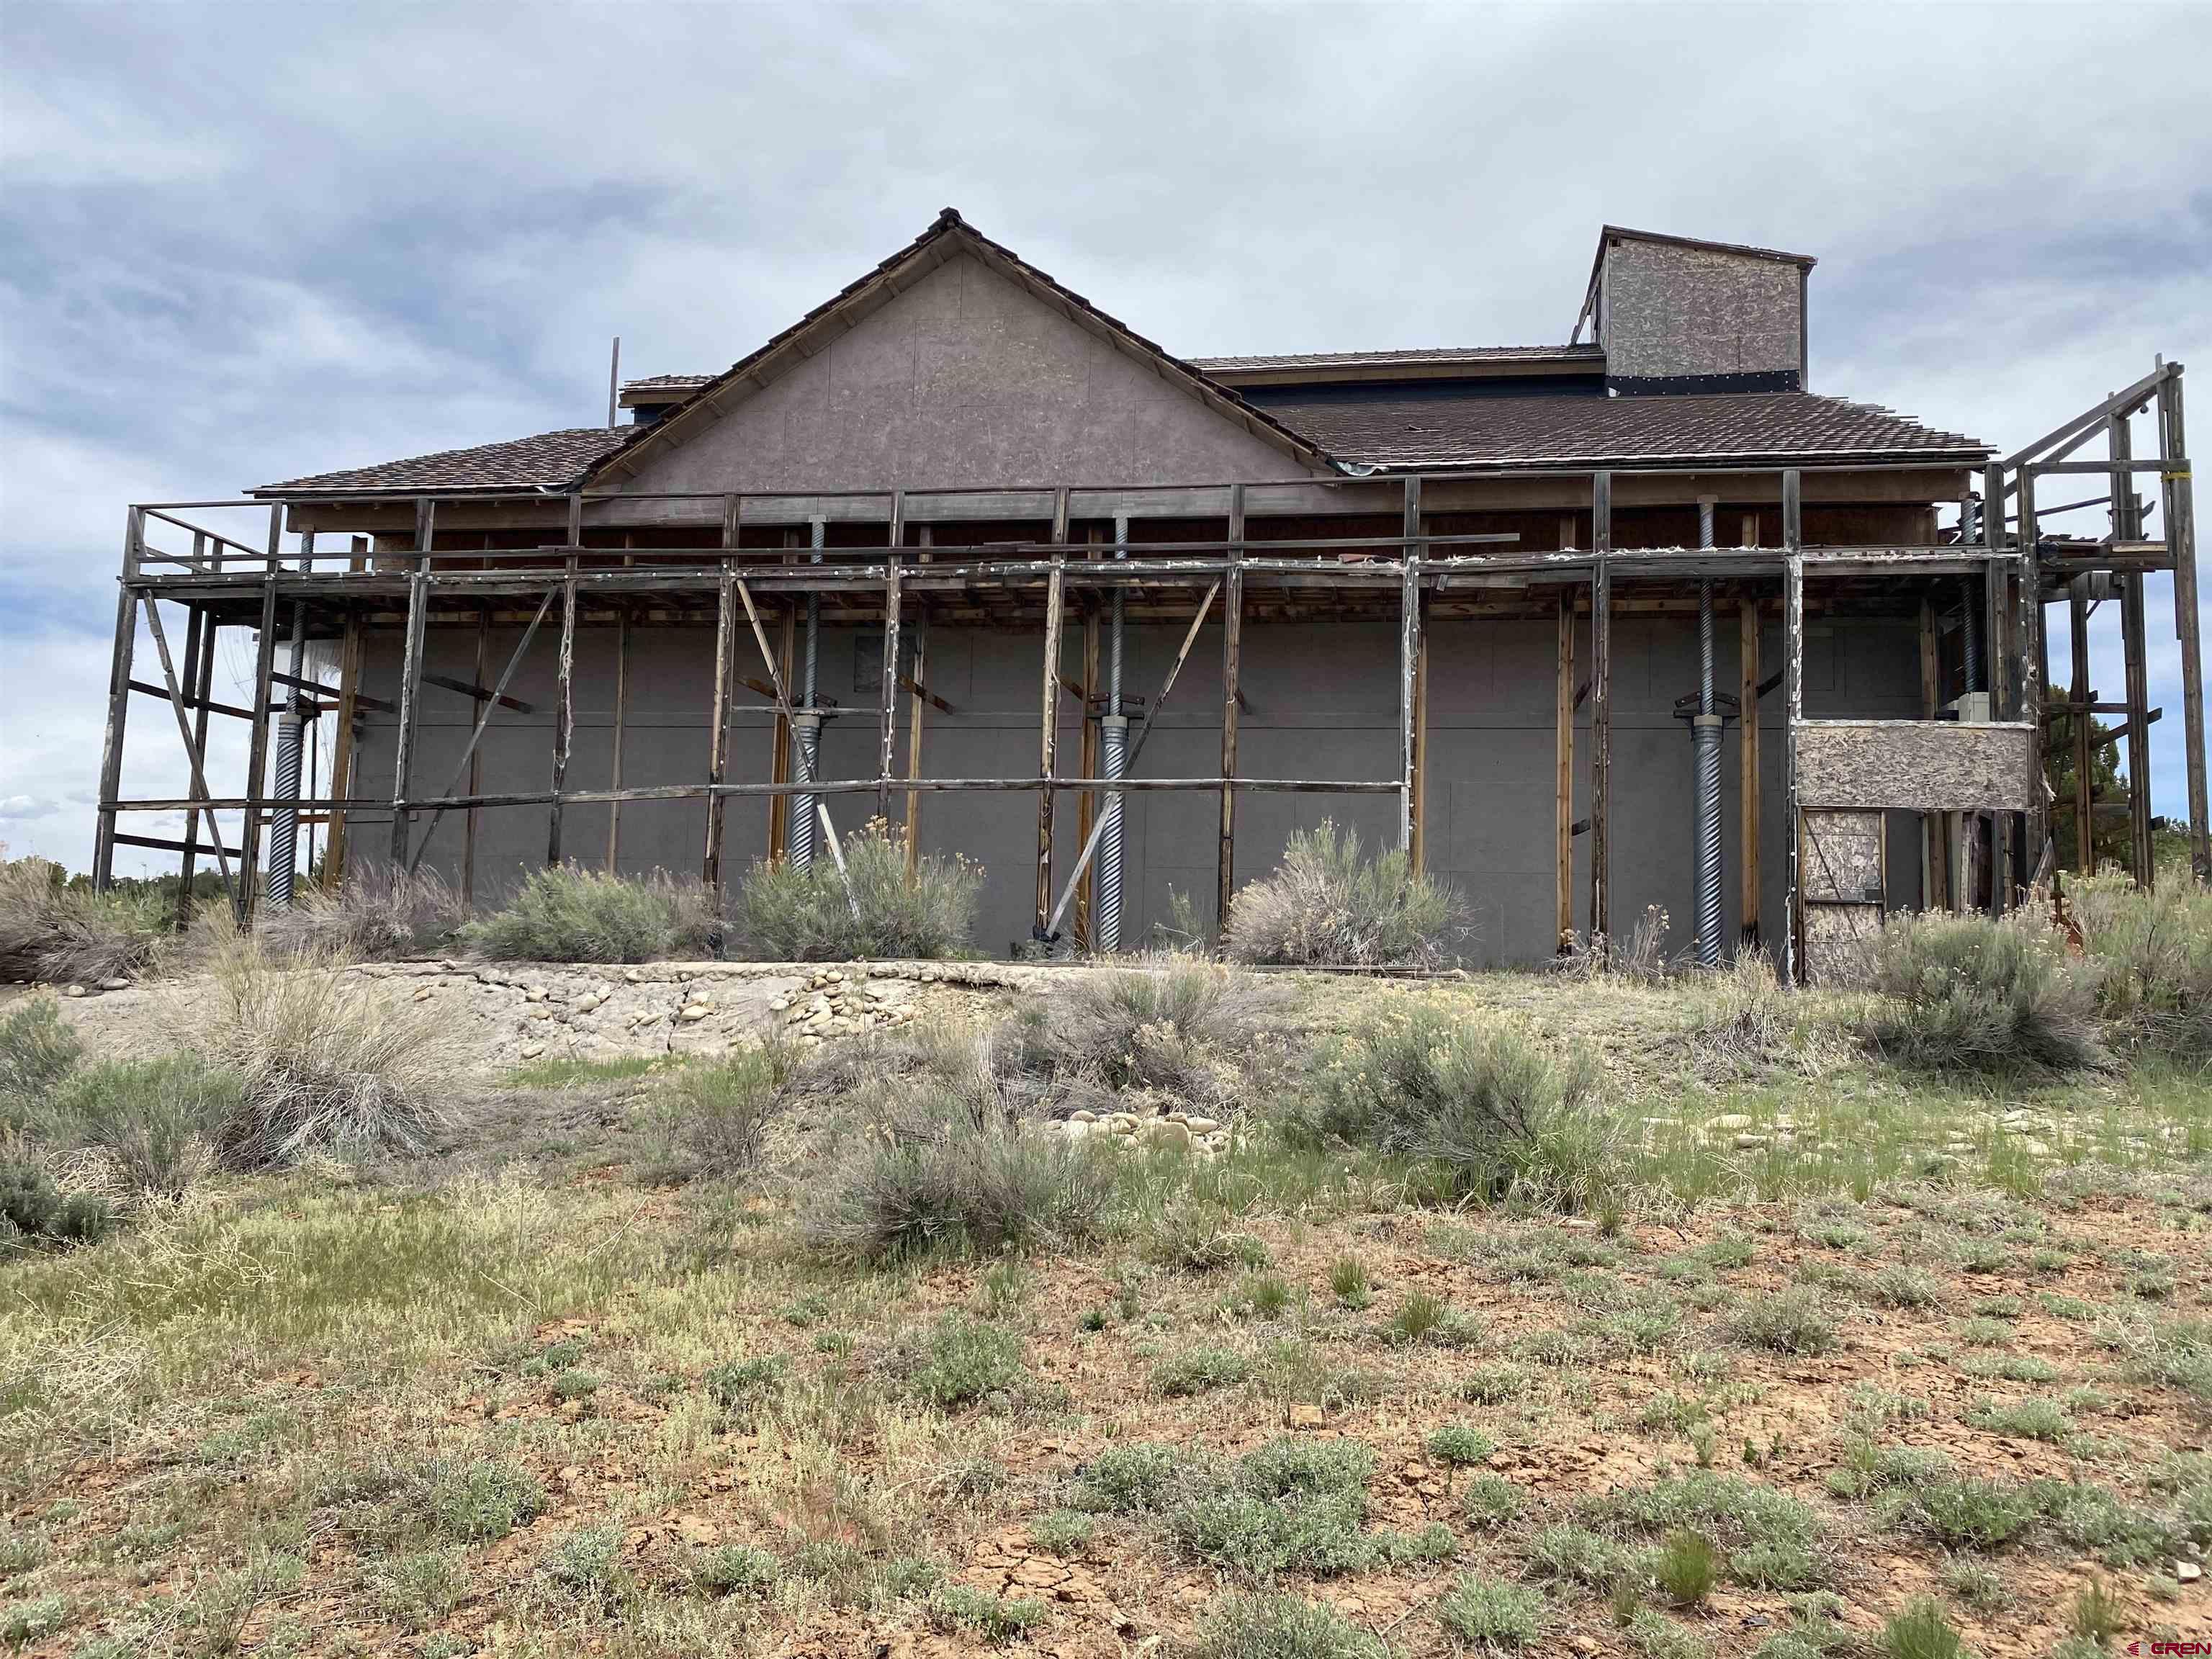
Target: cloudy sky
{"x": 244, "y": 242}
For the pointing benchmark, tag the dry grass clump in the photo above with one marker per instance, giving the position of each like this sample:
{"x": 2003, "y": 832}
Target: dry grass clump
{"x": 720, "y": 1111}
{"x": 1182, "y": 1028}
{"x": 949, "y": 1160}
{"x": 324, "y": 1060}
{"x": 1971, "y": 994}
{"x": 1506, "y": 1111}
{"x": 49, "y": 931}
{"x": 2155, "y": 953}
{"x": 1640, "y": 955}
{"x": 1743, "y": 1020}
{"x": 383, "y": 912}
{"x": 1325, "y": 905}
{"x": 874, "y": 909}
{"x": 569, "y": 914}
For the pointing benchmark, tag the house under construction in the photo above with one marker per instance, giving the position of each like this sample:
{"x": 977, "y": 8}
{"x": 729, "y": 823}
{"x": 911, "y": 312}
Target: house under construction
{"x": 1635, "y": 620}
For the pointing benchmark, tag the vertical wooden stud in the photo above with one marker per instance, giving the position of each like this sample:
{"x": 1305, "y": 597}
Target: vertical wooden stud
{"x": 1600, "y": 797}
{"x": 1935, "y": 827}
{"x": 1563, "y": 778}
{"x": 341, "y": 753}
{"x": 1048, "y": 736}
{"x": 1793, "y": 674}
{"x": 482, "y": 679}
{"x": 1748, "y": 763}
{"x": 119, "y": 702}
{"x": 1409, "y": 634}
{"x": 2180, "y": 505}
{"x": 1086, "y": 806}
{"x": 2036, "y": 824}
{"x": 411, "y": 675}
{"x": 1232, "y": 644}
{"x": 622, "y": 722}
{"x": 718, "y": 735}
{"x": 2079, "y": 728}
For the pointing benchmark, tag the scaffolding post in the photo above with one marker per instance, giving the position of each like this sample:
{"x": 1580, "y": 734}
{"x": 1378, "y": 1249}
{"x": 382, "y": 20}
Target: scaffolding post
{"x": 118, "y": 703}
{"x": 1600, "y": 797}
{"x": 1232, "y": 645}
{"x": 2181, "y": 546}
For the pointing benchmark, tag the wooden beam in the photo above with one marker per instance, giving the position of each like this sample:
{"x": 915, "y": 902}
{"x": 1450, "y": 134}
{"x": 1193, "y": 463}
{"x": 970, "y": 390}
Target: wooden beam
{"x": 779, "y": 815}
{"x": 1048, "y": 740}
{"x": 1137, "y": 747}
{"x": 887, "y": 745}
{"x": 479, "y": 704}
{"x": 917, "y": 704}
{"x": 622, "y": 719}
{"x": 718, "y": 730}
{"x": 197, "y": 650}
{"x": 1748, "y": 764}
{"x": 342, "y": 751}
{"x": 488, "y": 706}
{"x": 411, "y": 669}
{"x": 2127, "y": 526}
{"x": 1232, "y": 646}
{"x": 2077, "y": 618}
{"x": 193, "y": 752}
{"x": 2036, "y": 823}
{"x": 1935, "y": 827}
{"x": 1421, "y": 847}
{"x": 2180, "y": 509}
{"x": 1600, "y": 797}
{"x": 1793, "y": 673}
{"x": 1563, "y": 778}
{"x": 244, "y": 896}
{"x": 564, "y": 715}
{"x": 1409, "y": 635}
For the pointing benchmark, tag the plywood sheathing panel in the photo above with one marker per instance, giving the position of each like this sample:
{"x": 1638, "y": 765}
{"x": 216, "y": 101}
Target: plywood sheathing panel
{"x": 1916, "y": 766}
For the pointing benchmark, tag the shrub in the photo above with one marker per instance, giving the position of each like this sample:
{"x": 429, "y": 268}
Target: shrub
{"x": 32, "y": 1206}
{"x": 483, "y": 1499}
{"x": 1063, "y": 1532}
{"x": 585, "y": 1560}
{"x": 943, "y": 1170}
{"x": 721, "y": 1109}
{"x": 795, "y": 913}
{"x": 1323, "y": 904}
{"x": 1787, "y": 1322}
{"x": 381, "y": 912}
{"x": 735, "y": 1570}
{"x": 1240, "y": 1627}
{"x": 966, "y": 1360}
{"x": 420, "y": 1588}
{"x": 567, "y": 914}
{"x": 37, "y": 1051}
{"x": 1565, "y": 1552}
{"x": 1491, "y": 1613}
{"x": 1460, "y": 1443}
{"x": 744, "y": 1387}
{"x": 1968, "y": 994}
{"x": 1482, "y": 1094}
{"x": 1348, "y": 1281}
{"x": 323, "y": 1060}
{"x": 1770, "y": 1534}
{"x": 1178, "y": 1029}
{"x": 1128, "y": 1479}
{"x": 2155, "y": 953}
{"x": 50, "y": 930}
{"x": 159, "y": 1123}
{"x": 1491, "y": 1500}
{"x": 1978, "y": 1514}
{"x": 1196, "y": 1371}
{"x": 996, "y": 1618}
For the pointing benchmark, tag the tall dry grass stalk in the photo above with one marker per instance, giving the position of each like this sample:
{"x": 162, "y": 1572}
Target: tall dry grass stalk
{"x": 326, "y": 1060}
{"x": 71, "y": 935}
{"x": 382, "y": 912}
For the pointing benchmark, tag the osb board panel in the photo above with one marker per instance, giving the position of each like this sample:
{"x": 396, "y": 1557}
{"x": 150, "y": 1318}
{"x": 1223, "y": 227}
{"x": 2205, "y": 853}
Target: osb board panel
{"x": 1840, "y": 861}
{"x": 1840, "y": 940}
{"x": 1921, "y": 766}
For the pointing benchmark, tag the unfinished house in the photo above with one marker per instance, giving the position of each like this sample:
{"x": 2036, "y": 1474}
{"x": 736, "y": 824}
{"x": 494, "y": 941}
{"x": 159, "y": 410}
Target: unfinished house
{"x": 1636, "y": 620}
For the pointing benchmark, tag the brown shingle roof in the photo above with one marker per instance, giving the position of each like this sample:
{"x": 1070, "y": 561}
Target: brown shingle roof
{"x": 1411, "y": 428}
{"x": 1389, "y": 358}
{"x": 550, "y": 460}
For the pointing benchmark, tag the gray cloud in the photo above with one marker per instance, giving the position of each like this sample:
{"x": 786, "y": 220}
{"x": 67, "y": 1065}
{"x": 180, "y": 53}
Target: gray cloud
{"x": 238, "y": 244}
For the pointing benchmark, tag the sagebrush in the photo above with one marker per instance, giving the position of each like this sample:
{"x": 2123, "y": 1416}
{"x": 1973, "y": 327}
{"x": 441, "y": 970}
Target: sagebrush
{"x": 813, "y": 912}
{"x": 2153, "y": 952}
{"x": 567, "y": 914}
{"x": 1505, "y": 1110}
{"x": 1325, "y": 905}
{"x": 1973, "y": 994}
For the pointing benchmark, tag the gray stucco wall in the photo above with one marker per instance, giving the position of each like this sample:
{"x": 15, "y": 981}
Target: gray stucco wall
{"x": 1323, "y": 702}
{"x": 1682, "y": 311}
{"x": 965, "y": 380}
